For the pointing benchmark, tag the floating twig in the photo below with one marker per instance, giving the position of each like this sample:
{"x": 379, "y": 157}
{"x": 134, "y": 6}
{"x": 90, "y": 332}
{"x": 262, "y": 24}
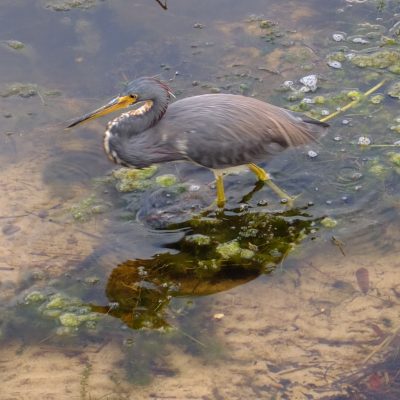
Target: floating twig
{"x": 384, "y": 145}
{"x": 383, "y": 345}
{"x": 354, "y": 102}
{"x": 339, "y": 244}
{"x": 162, "y": 5}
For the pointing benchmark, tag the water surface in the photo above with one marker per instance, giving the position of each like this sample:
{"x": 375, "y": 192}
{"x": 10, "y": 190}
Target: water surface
{"x": 146, "y": 293}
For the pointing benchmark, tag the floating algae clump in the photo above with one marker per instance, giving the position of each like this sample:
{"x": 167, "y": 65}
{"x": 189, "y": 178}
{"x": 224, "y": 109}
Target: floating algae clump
{"x": 229, "y": 249}
{"x": 70, "y": 312}
{"x": 354, "y": 95}
{"x": 232, "y": 249}
{"x": 70, "y": 320}
{"x": 15, "y": 44}
{"x": 61, "y": 302}
{"x": 328, "y": 222}
{"x": 395, "y": 158}
{"x": 73, "y": 320}
{"x": 198, "y": 239}
{"x": 379, "y": 59}
{"x": 377, "y": 99}
{"x": 319, "y": 100}
{"x": 378, "y": 169}
{"x": 129, "y": 179}
{"x": 24, "y": 90}
{"x": 87, "y": 208}
{"x": 67, "y": 5}
{"x": 166, "y": 180}
{"x": 34, "y": 297}
{"x": 394, "y": 90}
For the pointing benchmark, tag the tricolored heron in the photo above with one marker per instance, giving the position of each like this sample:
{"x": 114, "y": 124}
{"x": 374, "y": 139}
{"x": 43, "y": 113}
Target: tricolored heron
{"x": 216, "y": 131}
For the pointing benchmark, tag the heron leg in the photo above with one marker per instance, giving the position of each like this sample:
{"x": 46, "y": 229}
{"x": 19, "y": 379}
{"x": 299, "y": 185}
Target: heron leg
{"x": 219, "y": 181}
{"x": 264, "y": 177}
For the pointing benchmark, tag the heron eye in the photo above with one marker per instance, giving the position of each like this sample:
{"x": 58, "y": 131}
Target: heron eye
{"x": 133, "y": 96}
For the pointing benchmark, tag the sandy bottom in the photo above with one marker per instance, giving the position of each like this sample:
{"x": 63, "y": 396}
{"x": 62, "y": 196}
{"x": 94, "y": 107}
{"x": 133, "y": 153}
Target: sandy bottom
{"x": 299, "y": 333}
{"x": 37, "y": 233}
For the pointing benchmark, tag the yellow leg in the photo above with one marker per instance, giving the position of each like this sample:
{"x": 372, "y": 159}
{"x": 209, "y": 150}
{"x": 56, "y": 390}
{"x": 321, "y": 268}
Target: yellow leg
{"x": 220, "y": 189}
{"x": 261, "y": 174}
{"x": 264, "y": 177}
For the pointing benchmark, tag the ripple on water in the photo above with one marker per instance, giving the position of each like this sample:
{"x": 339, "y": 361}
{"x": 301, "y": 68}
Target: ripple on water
{"x": 73, "y": 168}
{"x": 348, "y": 177}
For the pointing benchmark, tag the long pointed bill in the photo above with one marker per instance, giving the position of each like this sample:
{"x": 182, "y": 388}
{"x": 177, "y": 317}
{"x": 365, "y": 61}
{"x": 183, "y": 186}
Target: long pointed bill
{"x": 113, "y": 105}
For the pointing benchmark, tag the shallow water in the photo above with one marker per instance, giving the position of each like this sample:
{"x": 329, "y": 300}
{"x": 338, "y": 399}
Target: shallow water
{"x": 148, "y": 293}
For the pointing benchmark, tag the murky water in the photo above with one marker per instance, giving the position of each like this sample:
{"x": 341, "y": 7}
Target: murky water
{"x": 121, "y": 286}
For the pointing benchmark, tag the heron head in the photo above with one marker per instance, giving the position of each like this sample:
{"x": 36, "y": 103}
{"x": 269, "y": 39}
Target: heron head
{"x": 145, "y": 90}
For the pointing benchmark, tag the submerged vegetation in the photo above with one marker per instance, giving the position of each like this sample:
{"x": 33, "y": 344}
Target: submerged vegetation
{"x": 210, "y": 258}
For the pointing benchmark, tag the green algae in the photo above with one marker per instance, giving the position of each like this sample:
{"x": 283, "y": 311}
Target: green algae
{"x": 70, "y": 320}
{"x": 59, "y": 301}
{"x": 395, "y": 69}
{"x": 372, "y": 76}
{"x": 52, "y": 314}
{"x": 166, "y": 180}
{"x": 395, "y": 128}
{"x": 198, "y": 239}
{"x": 377, "y": 99}
{"x": 135, "y": 173}
{"x": 74, "y": 320}
{"x": 88, "y": 208}
{"x": 67, "y": 5}
{"x": 319, "y": 100}
{"x": 62, "y": 314}
{"x": 92, "y": 280}
{"x": 337, "y": 56}
{"x": 15, "y": 44}
{"x": 34, "y": 297}
{"x": 266, "y": 24}
{"x": 394, "y": 90}
{"x": 232, "y": 249}
{"x": 394, "y": 158}
{"x": 27, "y": 90}
{"x": 295, "y": 96}
{"x": 380, "y": 59}
{"x": 130, "y": 179}
{"x": 354, "y": 95}
{"x": 328, "y": 222}
{"x": 378, "y": 169}
{"x": 24, "y": 90}
{"x": 229, "y": 249}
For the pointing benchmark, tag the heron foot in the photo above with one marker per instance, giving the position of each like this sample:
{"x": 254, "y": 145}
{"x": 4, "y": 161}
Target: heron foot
{"x": 261, "y": 174}
{"x": 264, "y": 177}
{"x": 219, "y": 181}
{"x": 289, "y": 200}
{"x": 285, "y": 197}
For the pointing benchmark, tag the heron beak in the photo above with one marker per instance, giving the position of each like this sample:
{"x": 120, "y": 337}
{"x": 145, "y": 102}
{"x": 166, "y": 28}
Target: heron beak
{"x": 114, "y": 105}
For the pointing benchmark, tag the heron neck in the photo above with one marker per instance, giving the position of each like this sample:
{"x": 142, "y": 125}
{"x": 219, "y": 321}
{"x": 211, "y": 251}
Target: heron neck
{"x": 126, "y": 140}
{"x": 149, "y": 113}
{"x": 136, "y": 121}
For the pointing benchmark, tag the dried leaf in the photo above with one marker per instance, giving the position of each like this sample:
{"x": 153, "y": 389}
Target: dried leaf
{"x": 362, "y": 276}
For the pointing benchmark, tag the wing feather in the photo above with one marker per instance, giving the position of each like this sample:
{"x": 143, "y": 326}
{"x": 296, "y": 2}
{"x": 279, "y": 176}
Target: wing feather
{"x": 223, "y": 130}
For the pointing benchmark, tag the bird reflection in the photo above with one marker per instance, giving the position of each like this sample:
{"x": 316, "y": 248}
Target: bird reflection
{"x": 218, "y": 252}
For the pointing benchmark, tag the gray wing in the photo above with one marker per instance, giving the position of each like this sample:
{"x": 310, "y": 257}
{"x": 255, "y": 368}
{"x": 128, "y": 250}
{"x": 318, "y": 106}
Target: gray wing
{"x": 222, "y": 130}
